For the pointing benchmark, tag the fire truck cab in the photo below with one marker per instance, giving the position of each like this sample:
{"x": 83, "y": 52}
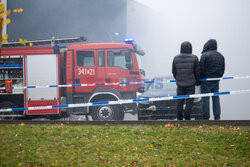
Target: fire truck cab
{"x": 90, "y": 64}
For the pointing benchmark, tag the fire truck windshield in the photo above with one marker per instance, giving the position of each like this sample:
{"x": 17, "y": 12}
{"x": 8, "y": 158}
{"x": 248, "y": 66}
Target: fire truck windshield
{"x": 138, "y": 57}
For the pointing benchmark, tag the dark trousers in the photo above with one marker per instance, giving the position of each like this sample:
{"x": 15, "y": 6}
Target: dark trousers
{"x": 210, "y": 87}
{"x": 189, "y": 102}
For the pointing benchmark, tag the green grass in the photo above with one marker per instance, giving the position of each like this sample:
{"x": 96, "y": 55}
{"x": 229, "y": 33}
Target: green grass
{"x": 169, "y": 145}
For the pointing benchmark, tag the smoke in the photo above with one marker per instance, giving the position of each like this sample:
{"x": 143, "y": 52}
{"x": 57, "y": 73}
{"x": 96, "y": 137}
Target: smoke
{"x": 161, "y": 25}
{"x": 98, "y": 20}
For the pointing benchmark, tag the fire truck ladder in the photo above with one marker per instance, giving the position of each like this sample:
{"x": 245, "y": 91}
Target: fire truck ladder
{"x": 51, "y": 42}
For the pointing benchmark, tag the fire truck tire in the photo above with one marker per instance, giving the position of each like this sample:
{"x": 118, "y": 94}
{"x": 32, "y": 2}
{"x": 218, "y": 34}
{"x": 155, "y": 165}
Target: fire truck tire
{"x": 107, "y": 112}
{"x": 5, "y": 105}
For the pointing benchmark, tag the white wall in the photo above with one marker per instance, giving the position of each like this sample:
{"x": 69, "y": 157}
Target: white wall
{"x": 160, "y": 26}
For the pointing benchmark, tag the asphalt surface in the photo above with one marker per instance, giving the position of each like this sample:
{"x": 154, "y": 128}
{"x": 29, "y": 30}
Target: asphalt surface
{"x": 130, "y": 120}
{"x": 238, "y": 123}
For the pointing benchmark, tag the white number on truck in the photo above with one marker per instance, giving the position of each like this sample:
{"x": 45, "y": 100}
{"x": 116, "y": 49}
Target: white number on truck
{"x": 84, "y": 71}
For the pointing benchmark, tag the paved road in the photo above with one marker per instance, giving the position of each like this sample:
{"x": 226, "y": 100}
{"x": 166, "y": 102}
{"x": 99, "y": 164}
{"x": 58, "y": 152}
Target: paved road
{"x": 127, "y": 117}
{"x": 238, "y": 123}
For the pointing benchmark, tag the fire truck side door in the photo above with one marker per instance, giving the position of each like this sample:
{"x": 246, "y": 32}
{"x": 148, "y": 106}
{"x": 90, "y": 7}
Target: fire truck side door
{"x": 119, "y": 66}
{"x": 42, "y": 70}
{"x": 85, "y": 70}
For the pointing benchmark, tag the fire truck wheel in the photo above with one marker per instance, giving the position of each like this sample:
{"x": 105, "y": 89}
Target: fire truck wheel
{"x": 5, "y": 105}
{"x": 106, "y": 112}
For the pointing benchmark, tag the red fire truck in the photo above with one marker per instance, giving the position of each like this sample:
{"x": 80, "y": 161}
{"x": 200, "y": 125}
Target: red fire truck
{"x": 82, "y": 63}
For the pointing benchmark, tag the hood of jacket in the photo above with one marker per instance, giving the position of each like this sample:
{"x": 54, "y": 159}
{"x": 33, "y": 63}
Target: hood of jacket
{"x": 186, "y": 47}
{"x": 210, "y": 45}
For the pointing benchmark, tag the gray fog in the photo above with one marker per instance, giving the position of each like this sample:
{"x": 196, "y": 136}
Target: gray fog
{"x": 98, "y": 20}
{"x": 160, "y": 26}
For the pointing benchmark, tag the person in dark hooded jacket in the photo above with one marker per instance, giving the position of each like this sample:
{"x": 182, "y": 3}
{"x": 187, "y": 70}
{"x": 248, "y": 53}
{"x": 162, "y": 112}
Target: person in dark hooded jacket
{"x": 186, "y": 71}
{"x": 212, "y": 64}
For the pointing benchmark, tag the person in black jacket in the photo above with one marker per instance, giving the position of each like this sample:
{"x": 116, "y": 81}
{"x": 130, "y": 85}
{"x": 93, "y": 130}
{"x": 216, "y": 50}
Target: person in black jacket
{"x": 212, "y": 65}
{"x": 186, "y": 71}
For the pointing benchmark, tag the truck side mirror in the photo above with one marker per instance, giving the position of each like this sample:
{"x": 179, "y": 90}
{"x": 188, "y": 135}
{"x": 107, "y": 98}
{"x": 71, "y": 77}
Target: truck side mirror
{"x": 140, "y": 52}
{"x": 142, "y": 72}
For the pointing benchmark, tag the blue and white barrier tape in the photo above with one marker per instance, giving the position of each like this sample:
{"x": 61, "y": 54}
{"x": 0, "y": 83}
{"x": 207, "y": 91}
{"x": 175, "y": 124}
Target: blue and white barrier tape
{"x": 125, "y": 101}
{"x": 120, "y": 83}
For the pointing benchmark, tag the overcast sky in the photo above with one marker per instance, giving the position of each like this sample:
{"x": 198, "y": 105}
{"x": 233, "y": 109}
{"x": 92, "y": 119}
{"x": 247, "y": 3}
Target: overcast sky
{"x": 161, "y": 25}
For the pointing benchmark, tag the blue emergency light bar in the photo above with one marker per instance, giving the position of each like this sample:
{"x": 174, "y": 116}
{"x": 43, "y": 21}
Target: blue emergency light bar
{"x": 56, "y": 49}
{"x": 129, "y": 40}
